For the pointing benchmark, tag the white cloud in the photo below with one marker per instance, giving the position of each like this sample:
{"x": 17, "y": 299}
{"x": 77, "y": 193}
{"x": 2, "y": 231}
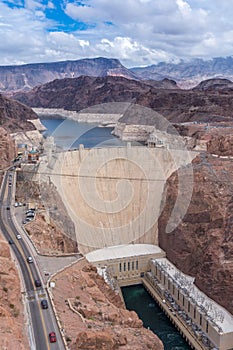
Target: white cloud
{"x": 51, "y": 5}
{"x": 138, "y": 32}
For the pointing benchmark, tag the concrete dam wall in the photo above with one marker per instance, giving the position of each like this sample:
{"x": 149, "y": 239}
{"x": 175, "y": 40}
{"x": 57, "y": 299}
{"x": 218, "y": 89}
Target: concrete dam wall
{"x": 113, "y": 195}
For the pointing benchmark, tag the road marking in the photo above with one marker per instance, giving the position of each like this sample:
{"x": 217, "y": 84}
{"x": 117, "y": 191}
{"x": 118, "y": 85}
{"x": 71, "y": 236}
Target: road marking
{"x": 30, "y": 297}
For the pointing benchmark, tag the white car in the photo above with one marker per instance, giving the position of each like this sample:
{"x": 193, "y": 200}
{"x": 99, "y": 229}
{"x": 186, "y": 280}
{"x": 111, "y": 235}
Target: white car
{"x": 18, "y": 237}
{"x": 29, "y": 259}
{"x": 16, "y": 204}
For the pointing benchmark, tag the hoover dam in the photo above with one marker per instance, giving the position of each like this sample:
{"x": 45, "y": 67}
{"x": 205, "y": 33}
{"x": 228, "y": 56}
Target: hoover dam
{"x": 114, "y": 195}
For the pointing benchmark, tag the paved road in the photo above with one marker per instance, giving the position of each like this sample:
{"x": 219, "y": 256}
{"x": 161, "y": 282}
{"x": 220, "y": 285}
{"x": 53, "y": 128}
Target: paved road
{"x": 42, "y": 321}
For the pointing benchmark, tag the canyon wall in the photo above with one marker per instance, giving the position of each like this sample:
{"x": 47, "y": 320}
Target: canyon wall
{"x": 12, "y": 322}
{"x": 7, "y": 149}
{"x": 202, "y": 244}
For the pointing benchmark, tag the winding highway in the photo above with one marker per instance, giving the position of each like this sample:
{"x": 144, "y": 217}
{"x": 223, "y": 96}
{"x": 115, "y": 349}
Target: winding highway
{"x": 40, "y": 321}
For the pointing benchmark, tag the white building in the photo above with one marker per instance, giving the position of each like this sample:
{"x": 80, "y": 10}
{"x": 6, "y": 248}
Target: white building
{"x": 210, "y": 322}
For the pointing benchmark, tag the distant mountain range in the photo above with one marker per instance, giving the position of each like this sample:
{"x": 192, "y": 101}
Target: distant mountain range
{"x": 25, "y": 77}
{"x": 186, "y": 74}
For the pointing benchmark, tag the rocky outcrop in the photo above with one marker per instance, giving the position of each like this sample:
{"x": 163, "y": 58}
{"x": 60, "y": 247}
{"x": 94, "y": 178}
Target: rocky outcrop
{"x": 221, "y": 143}
{"x": 52, "y": 231}
{"x": 214, "y": 85}
{"x": 202, "y": 244}
{"x": 48, "y": 238}
{"x": 12, "y": 331}
{"x": 180, "y": 106}
{"x": 83, "y": 92}
{"x": 163, "y": 84}
{"x": 14, "y": 115}
{"x": 132, "y": 132}
{"x": 94, "y": 317}
{"x": 7, "y": 149}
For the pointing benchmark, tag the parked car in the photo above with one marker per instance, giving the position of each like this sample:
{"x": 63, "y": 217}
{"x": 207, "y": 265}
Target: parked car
{"x": 29, "y": 259}
{"x": 37, "y": 283}
{"x": 30, "y": 211}
{"x": 44, "y": 304}
{"x": 30, "y": 215}
{"x": 52, "y": 337}
{"x": 28, "y": 219}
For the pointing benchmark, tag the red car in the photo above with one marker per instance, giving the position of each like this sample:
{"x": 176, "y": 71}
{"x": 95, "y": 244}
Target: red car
{"x": 52, "y": 337}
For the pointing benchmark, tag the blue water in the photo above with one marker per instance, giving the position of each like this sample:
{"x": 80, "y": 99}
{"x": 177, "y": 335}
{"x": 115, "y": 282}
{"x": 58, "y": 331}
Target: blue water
{"x": 138, "y": 299}
{"x": 69, "y": 134}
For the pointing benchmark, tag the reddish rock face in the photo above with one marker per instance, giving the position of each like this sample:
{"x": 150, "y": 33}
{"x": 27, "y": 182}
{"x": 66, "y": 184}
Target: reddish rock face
{"x": 14, "y": 115}
{"x": 202, "y": 244}
{"x": 7, "y": 149}
{"x": 12, "y": 322}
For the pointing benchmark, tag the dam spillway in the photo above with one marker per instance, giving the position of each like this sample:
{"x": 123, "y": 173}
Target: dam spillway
{"x": 113, "y": 195}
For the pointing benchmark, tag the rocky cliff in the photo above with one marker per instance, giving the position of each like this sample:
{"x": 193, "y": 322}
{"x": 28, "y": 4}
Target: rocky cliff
{"x": 202, "y": 244}
{"x": 188, "y": 106}
{"x": 14, "y": 115}
{"x": 94, "y": 317}
{"x": 7, "y": 149}
{"x": 12, "y": 323}
{"x": 52, "y": 231}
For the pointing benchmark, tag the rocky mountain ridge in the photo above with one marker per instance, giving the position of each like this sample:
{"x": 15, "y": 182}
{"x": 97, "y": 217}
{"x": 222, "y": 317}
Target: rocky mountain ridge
{"x": 188, "y": 73}
{"x": 78, "y": 93}
{"x": 25, "y": 77}
{"x": 202, "y": 104}
{"x": 215, "y": 84}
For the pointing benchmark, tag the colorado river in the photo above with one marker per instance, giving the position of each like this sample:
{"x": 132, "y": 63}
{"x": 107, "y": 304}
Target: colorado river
{"x": 137, "y": 299}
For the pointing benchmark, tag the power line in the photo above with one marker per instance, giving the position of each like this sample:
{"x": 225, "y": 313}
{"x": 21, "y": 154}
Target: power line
{"x": 192, "y": 180}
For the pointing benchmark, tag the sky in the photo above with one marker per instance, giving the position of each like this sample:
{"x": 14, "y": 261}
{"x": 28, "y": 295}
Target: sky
{"x": 137, "y": 32}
